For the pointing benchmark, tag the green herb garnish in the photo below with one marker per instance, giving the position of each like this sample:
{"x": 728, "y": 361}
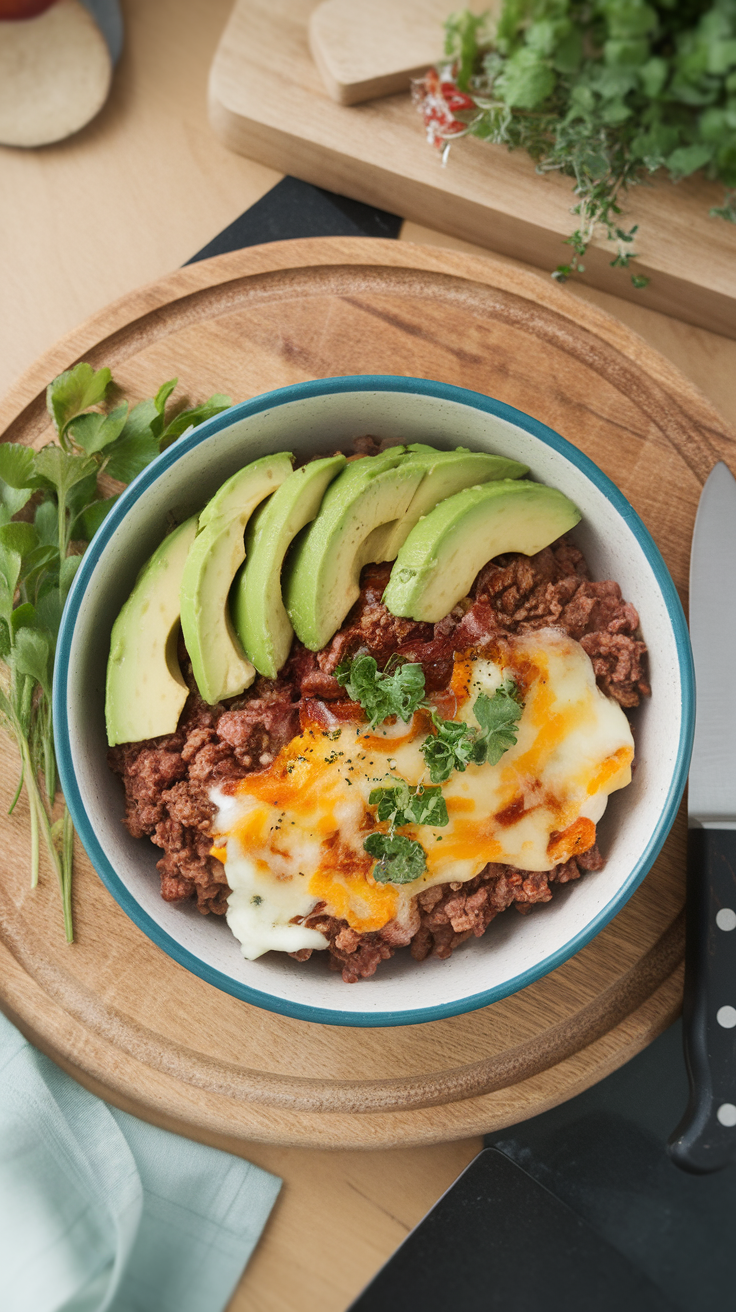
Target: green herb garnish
{"x": 455, "y": 744}
{"x": 382, "y": 693}
{"x": 61, "y": 493}
{"x": 498, "y": 717}
{"x": 399, "y": 860}
{"x": 450, "y": 748}
{"x": 606, "y": 92}
{"x": 402, "y": 805}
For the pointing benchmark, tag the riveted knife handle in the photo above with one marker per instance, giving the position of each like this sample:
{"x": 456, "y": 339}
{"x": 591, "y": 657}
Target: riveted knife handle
{"x": 705, "y": 1139}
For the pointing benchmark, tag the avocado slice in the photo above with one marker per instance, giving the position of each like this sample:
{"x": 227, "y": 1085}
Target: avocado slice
{"x": 219, "y": 664}
{"x": 145, "y": 691}
{"x": 258, "y": 612}
{"x": 322, "y": 579}
{"x": 445, "y": 550}
{"x": 445, "y": 473}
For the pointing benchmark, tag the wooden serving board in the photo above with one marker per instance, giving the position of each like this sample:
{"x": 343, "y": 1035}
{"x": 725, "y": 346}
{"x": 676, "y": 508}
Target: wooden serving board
{"x": 113, "y": 1008}
{"x": 268, "y": 101}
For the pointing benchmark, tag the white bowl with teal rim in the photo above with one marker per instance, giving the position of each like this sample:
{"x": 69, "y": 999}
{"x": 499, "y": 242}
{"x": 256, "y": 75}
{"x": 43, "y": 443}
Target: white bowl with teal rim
{"x": 318, "y": 417}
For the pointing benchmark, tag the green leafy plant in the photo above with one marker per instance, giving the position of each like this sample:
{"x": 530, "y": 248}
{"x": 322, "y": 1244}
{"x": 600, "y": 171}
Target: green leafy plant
{"x": 402, "y": 805}
{"x": 399, "y": 860}
{"x": 455, "y": 744}
{"x": 449, "y": 748}
{"x": 382, "y": 693}
{"x": 606, "y": 92}
{"x": 52, "y": 502}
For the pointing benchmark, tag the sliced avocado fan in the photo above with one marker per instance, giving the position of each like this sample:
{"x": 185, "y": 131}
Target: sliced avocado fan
{"x": 445, "y": 550}
{"x": 220, "y": 666}
{"x": 365, "y": 516}
{"x": 145, "y": 691}
{"x": 258, "y": 612}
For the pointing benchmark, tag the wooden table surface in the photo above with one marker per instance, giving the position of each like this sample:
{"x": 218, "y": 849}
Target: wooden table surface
{"x": 128, "y": 199}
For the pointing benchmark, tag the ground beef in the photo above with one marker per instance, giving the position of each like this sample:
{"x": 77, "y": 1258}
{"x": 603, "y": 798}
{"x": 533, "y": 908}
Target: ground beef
{"x": 445, "y": 916}
{"x": 516, "y": 594}
{"x": 167, "y": 780}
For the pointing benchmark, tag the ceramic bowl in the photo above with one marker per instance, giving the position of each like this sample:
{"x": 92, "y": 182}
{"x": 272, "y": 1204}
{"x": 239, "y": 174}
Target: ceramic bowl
{"x": 319, "y": 416}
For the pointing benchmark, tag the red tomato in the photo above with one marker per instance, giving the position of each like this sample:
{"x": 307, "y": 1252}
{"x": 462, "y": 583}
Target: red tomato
{"x": 23, "y": 8}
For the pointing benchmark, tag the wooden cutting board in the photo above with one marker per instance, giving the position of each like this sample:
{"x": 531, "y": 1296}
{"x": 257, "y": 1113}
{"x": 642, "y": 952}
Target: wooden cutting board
{"x": 268, "y": 101}
{"x": 135, "y": 1026}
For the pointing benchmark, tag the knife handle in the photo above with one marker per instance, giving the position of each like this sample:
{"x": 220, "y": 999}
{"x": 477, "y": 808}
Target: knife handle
{"x": 705, "y": 1139}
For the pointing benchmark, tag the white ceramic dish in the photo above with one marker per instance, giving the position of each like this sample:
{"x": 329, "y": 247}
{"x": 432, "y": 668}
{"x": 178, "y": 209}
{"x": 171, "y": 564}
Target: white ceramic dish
{"x": 320, "y": 416}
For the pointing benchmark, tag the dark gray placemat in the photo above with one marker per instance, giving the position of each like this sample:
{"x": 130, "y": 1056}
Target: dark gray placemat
{"x": 296, "y": 209}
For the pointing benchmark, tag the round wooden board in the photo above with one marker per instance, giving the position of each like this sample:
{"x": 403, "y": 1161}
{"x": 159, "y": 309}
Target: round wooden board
{"x": 117, "y": 1012}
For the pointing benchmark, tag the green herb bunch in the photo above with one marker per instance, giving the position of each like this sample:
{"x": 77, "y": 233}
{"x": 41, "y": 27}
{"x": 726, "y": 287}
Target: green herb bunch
{"x": 605, "y": 91}
{"x": 52, "y": 502}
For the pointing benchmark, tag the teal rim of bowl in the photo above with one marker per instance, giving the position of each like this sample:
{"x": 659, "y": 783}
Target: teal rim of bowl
{"x": 94, "y": 849}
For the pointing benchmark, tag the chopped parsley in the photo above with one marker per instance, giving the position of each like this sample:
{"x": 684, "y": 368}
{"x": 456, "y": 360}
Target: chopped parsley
{"x": 498, "y": 717}
{"x": 456, "y": 744}
{"x": 399, "y": 860}
{"x": 382, "y": 693}
{"x": 451, "y": 748}
{"x": 403, "y": 805}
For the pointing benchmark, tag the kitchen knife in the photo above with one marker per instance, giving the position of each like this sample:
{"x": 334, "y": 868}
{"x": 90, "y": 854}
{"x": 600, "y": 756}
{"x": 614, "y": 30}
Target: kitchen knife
{"x": 705, "y": 1139}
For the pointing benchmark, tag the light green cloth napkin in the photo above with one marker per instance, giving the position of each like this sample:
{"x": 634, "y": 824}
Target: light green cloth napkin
{"x": 100, "y": 1212}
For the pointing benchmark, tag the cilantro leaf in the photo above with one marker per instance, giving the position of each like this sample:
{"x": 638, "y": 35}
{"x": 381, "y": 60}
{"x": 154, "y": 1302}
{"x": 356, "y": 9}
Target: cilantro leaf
{"x": 402, "y": 805}
{"x": 94, "y": 431}
{"x": 73, "y": 392}
{"x": 62, "y": 470}
{"x": 498, "y": 717}
{"x": 191, "y": 418}
{"x": 22, "y": 538}
{"x": 399, "y": 860}
{"x": 136, "y": 445}
{"x": 16, "y": 465}
{"x": 88, "y": 521}
{"x": 381, "y": 693}
{"x": 17, "y": 472}
{"x": 31, "y": 654}
{"x": 10, "y": 563}
{"x": 159, "y": 401}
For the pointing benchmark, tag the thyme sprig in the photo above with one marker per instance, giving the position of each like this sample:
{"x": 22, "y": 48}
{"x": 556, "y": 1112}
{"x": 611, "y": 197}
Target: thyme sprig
{"x": 607, "y": 92}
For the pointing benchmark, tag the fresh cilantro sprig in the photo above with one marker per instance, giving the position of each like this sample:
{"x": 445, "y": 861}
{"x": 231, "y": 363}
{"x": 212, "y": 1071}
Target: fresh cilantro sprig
{"x": 382, "y": 693}
{"x": 606, "y": 93}
{"x": 455, "y": 744}
{"x": 399, "y": 860}
{"x": 61, "y": 496}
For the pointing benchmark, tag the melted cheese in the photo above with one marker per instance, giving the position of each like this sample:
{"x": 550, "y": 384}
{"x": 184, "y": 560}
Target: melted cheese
{"x": 291, "y": 836}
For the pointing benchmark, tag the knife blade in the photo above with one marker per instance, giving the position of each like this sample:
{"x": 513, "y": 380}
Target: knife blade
{"x": 705, "y": 1139}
